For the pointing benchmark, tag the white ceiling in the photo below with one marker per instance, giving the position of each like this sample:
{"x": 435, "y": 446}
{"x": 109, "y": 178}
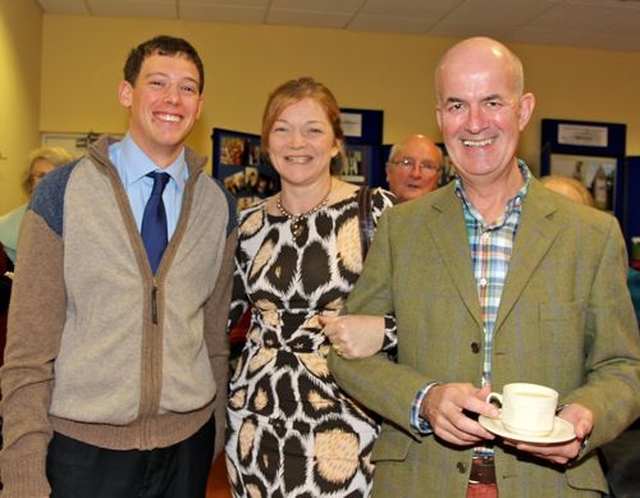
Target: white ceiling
{"x": 606, "y": 24}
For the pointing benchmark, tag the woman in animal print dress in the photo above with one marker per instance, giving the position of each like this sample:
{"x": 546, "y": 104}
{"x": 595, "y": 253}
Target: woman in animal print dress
{"x": 291, "y": 432}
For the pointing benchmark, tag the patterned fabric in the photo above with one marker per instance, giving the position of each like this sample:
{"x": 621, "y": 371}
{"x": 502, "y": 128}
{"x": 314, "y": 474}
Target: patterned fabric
{"x": 290, "y": 430}
{"x": 491, "y": 248}
{"x": 565, "y": 300}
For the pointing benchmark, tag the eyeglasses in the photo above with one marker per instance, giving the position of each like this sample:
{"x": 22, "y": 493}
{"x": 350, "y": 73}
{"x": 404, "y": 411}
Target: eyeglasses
{"x": 408, "y": 163}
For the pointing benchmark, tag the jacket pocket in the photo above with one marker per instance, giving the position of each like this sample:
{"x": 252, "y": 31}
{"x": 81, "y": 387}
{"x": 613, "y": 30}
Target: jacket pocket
{"x": 570, "y": 311}
{"x": 392, "y": 445}
{"x": 587, "y": 475}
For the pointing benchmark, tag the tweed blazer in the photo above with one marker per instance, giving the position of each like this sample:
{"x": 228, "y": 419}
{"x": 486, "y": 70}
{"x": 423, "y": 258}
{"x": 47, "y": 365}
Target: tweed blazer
{"x": 565, "y": 320}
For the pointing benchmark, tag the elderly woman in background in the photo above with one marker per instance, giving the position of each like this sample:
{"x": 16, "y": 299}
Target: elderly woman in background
{"x": 41, "y": 161}
{"x": 291, "y": 431}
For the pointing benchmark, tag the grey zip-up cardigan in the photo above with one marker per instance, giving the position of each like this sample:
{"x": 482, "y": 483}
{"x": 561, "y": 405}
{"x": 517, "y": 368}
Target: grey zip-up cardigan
{"x": 98, "y": 348}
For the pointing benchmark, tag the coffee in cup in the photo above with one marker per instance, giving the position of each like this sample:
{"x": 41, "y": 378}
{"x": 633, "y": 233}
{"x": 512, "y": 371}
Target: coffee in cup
{"x": 527, "y": 408}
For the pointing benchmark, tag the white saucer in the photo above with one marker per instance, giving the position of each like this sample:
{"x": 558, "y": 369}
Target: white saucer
{"x": 562, "y": 431}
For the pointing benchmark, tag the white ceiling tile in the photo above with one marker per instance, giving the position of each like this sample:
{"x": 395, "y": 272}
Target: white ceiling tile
{"x": 330, "y": 6}
{"x": 311, "y": 19}
{"x": 405, "y": 25}
{"x": 134, "y": 8}
{"x": 627, "y": 24}
{"x": 567, "y": 17}
{"x": 222, "y": 13}
{"x": 614, "y": 4}
{"x": 498, "y": 32}
{"x": 64, "y": 6}
{"x": 510, "y": 13}
{"x": 608, "y": 24}
{"x": 225, "y": 3}
{"x": 409, "y": 8}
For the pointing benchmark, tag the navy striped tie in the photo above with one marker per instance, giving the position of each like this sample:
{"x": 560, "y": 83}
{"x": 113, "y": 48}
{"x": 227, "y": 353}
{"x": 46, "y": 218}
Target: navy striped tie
{"x": 154, "y": 221}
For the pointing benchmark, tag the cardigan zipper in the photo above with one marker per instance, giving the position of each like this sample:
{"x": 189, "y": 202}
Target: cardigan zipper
{"x": 154, "y": 305}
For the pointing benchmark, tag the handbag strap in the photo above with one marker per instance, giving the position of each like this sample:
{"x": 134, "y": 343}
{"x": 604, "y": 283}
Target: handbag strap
{"x": 365, "y": 219}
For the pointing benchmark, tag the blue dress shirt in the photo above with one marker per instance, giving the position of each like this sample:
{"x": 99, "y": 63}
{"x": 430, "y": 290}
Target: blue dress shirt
{"x": 133, "y": 165}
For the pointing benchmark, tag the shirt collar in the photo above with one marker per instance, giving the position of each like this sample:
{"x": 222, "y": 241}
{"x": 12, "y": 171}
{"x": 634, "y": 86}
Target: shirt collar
{"x": 133, "y": 164}
{"x": 512, "y": 203}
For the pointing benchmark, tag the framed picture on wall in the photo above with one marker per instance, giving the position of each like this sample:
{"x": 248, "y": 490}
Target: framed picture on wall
{"x": 385, "y": 150}
{"x": 237, "y": 163}
{"x": 362, "y": 126}
{"x": 363, "y": 139}
{"x": 76, "y": 143}
{"x": 362, "y": 164}
{"x": 598, "y": 174}
{"x": 591, "y": 152}
{"x": 448, "y": 171}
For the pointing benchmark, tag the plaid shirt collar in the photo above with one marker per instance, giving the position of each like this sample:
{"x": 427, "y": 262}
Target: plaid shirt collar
{"x": 515, "y": 201}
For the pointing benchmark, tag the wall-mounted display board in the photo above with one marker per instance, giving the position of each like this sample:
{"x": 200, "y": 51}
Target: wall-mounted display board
{"x": 632, "y": 209}
{"x": 362, "y": 126}
{"x": 363, "y": 164}
{"x": 363, "y": 130}
{"x": 76, "y": 143}
{"x": 591, "y": 152}
{"x": 238, "y": 164}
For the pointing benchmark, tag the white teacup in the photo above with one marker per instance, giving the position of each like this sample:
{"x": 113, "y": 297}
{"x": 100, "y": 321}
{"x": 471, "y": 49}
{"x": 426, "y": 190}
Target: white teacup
{"x": 527, "y": 408}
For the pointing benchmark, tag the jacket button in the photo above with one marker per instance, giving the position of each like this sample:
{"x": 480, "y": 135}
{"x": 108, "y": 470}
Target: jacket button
{"x": 475, "y": 347}
{"x": 462, "y": 468}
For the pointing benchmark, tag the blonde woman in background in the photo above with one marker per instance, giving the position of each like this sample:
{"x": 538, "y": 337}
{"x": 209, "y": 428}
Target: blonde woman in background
{"x": 569, "y": 187}
{"x": 41, "y": 161}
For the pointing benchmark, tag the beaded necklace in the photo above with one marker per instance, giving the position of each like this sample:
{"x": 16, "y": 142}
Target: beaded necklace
{"x": 297, "y": 219}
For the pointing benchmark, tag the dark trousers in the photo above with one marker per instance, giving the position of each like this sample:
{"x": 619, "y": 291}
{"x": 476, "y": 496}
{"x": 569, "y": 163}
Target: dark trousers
{"x": 77, "y": 469}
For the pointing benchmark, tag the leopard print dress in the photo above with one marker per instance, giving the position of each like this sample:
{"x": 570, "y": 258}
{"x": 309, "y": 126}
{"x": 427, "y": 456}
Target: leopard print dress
{"x": 291, "y": 432}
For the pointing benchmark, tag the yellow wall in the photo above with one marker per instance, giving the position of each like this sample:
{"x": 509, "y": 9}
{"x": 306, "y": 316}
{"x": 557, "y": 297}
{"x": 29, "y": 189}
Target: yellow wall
{"x": 20, "y": 42}
{"x": 82, "y": 59}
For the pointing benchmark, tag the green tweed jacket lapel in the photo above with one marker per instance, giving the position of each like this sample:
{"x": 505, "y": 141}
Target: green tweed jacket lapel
{"x": 456, "y": 256}
{"x": 536, "y": 233}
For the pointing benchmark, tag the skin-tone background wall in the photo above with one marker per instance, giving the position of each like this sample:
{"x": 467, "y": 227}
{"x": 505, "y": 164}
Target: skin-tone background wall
{"x": 82, "y": 58}
{"x": 20, "y": 70}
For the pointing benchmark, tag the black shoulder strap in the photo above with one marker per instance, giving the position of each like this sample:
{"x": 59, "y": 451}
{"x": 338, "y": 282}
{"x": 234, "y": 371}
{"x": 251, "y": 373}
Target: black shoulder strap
{"x": 365, "y": 219}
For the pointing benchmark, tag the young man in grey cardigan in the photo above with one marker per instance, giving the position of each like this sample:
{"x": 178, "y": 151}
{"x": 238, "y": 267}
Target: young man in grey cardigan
{"x": 115, "y": 375}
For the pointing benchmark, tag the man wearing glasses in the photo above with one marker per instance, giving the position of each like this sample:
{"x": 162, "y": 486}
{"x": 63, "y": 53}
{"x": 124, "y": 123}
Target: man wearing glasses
{"x": 414, "y": 167}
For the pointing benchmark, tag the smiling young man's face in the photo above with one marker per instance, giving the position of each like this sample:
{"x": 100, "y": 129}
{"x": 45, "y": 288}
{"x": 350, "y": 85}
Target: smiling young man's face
{"x": 164, "y": 104}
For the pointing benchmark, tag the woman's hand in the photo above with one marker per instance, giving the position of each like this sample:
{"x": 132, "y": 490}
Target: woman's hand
{"x": 354, "y": 336}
